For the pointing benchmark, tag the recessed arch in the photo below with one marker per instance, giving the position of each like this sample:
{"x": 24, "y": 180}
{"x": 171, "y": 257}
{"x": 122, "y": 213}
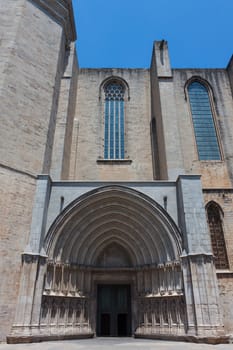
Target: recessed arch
{"x": 215, "y": 216}
{"x": 113, "y": 254}
{"x": 114, "y": 214}
{"x": 217, "y": 205}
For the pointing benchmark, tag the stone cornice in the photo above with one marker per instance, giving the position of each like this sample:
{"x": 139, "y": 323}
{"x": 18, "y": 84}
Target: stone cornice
{"x": 62, "y": 12}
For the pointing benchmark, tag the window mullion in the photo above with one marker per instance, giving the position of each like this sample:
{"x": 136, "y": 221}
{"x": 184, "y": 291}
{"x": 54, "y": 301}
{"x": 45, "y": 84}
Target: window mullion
{"x": 114, "y": 121}
{"x": 119, "y": 129}
{"x": 114, "y": 128}
{"x": 109, "y": 128}
{"x": 203, "y": 122}
{"x": 122, "y": 129}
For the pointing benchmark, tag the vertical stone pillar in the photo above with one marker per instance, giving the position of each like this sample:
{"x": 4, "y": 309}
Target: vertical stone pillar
{"x": 162, "y": 59}
{"x": 33, "y": 266}
{"x": 200, "y": 282}
{"x": 39, "y": 284}
{"x": 39, "y": 215}
{"x": 65, "y": 115}
{"x": 166, "y": 147}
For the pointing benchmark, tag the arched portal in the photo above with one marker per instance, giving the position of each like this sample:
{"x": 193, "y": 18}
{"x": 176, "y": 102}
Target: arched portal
{"x": 115, "y": 237}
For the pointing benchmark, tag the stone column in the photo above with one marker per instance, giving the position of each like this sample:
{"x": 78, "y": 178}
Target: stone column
{"x": 200, "y": 282}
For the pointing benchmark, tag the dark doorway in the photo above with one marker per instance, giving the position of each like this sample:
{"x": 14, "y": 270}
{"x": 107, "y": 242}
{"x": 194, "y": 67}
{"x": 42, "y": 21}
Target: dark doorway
{"x": 114, "y": 310}
{"x": 105, "y": 324}
{"x": 122, "y": 325}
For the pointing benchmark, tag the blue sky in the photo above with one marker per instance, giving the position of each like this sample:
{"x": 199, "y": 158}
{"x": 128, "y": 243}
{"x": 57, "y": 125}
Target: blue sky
{"x": 120, "y": 33}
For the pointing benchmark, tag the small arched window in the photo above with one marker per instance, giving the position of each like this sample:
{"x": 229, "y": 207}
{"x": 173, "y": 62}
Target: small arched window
{"x": 203, "y": 122}
{"x": 217, "y": 236}
{"x": 114, "y": 129}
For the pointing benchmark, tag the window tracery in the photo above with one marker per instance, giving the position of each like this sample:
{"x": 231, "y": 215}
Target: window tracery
{"x": 114, "y": 144}
{"x": 203, "y": 122}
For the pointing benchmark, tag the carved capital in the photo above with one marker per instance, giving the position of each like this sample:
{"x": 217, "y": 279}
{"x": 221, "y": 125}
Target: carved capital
{"x": 199, "y": 257}
{"x": 30, "y": 258}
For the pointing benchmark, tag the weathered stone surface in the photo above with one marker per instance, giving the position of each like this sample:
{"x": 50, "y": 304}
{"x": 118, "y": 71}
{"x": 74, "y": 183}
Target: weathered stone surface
{"x": 90, "y": 118}
{"x": 86, "y": 221}
{"x": 31, "y": 64}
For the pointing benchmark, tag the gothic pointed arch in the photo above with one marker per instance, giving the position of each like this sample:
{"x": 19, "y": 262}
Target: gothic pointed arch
{"x": 204, "y": 82}
{"x": 114, "y": 79}
{"x": 114, "y": 217}
{"x": 215, "y": 218}
{"x": 201, "y": 102}
{"x": 113, "y": 254}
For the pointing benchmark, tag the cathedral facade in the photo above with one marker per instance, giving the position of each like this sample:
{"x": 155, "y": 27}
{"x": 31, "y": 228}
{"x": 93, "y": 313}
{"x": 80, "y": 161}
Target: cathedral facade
{"x": 116, "y": 190}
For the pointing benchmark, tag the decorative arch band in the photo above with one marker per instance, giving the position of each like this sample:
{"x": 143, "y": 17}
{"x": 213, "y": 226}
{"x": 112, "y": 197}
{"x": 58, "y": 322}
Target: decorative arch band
{"x": 114, "y": 216}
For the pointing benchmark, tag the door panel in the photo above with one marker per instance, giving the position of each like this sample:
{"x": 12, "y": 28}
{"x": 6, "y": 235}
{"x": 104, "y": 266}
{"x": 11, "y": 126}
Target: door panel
{"x": 122, "y": 324}
{"x": 105, "y": 324}
{"x": 113, "y": 310}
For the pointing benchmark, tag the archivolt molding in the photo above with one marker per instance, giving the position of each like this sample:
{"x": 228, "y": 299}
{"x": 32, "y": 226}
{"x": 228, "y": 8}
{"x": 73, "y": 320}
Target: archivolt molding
{"x": 113, "y": 214}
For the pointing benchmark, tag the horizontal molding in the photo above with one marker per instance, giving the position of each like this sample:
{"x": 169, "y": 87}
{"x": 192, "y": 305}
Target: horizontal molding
{"x": 114, "y": 161}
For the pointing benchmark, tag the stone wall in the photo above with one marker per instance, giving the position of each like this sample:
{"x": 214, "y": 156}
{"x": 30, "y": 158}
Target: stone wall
{"x": 88, "y": 134}
{"x": 225, "y": 284}
{"x": 215, "y": 174}
{"x": 52, "y": 121}
{"x": 29, "y": 83}
{"x": 16, "y": 201}
{"x": 224, "y": 199}
{"x": 31, "y": 64}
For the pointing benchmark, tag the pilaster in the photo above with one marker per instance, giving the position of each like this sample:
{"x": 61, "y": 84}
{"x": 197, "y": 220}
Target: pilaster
{"x": 199, "y": 274}
{"x": 166, "y": 144}
{"x": 65, "y": 116}
{"x": 39, "y": 215}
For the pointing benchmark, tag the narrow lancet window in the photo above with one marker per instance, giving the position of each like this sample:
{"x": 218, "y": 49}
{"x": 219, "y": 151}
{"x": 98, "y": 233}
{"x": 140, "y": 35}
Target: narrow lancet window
{"x": 114, "y": 145}
{"x": 217, "y": 236}
{"x": 203, "y": 122}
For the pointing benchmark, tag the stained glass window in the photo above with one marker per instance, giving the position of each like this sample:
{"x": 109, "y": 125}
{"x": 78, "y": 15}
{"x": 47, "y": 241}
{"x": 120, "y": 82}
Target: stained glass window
{"x": 203, "y": 122}
{"x": 217, "y": 236}
{"x": 114, "y": 146}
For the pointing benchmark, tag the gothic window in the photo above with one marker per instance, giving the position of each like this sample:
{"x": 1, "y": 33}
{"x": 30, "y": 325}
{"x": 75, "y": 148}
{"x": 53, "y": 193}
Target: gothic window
{"x": 217, "y": 236}
{"x": 203, "y": 122}
{"x": 114, "y": 144}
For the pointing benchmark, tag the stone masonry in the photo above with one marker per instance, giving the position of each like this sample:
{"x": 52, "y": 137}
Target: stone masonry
{"x": 74, "y": 222}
